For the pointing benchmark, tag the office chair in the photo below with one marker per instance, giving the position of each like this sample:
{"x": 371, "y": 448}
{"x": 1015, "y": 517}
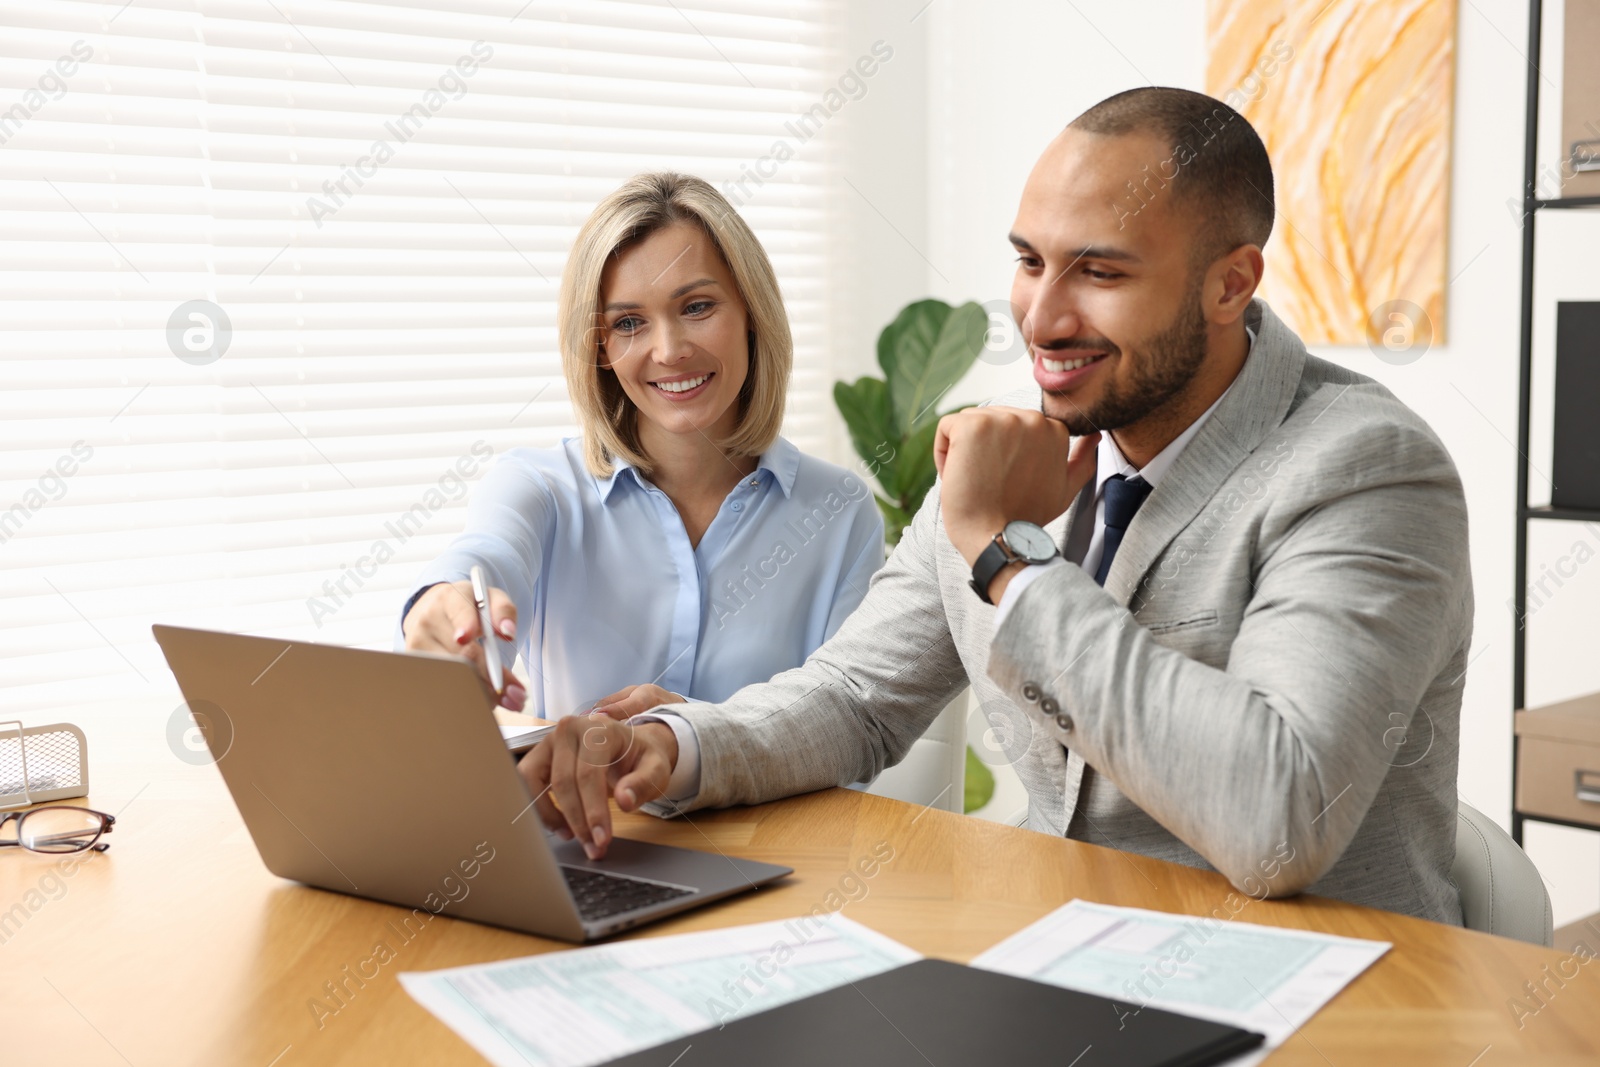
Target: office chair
{"x": 1501, "y": 892}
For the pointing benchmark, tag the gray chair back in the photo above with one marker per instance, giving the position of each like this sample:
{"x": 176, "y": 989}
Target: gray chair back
{"x": 1501, "y": 891}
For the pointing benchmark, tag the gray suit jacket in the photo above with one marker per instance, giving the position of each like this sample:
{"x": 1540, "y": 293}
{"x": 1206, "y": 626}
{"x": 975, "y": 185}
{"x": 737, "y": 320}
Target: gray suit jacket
{"x": 1268, "y": 685}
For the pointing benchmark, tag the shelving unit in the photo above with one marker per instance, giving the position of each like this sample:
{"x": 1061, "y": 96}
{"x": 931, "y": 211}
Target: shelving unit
{"x": 1532, "y": 207}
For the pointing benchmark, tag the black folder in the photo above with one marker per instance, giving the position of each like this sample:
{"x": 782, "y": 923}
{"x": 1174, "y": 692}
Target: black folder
{"x": 934, "y": 1012}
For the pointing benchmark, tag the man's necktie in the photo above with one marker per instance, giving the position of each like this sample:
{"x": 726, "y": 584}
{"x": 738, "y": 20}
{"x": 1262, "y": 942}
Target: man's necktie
{"x": 1122, "y": 500}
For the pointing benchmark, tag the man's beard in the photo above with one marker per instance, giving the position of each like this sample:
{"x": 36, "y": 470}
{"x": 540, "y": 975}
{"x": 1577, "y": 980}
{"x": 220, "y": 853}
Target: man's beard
{"x": 1160, "y": 370}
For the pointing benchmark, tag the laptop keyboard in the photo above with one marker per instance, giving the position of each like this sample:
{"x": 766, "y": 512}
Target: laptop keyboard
{"x": 600, "y": 896}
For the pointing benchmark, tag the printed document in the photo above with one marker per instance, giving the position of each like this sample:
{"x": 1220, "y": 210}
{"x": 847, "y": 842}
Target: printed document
{"x": 1262, "y": 978}
{"x": 589, "y": 1005}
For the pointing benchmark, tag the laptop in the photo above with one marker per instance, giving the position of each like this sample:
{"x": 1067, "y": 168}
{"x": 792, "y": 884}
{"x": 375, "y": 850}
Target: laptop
{"x": 385, "y": 775}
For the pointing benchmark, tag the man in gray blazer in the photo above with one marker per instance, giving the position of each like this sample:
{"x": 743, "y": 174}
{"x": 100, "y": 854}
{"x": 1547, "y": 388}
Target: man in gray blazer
{"x": 1240, "y": 637}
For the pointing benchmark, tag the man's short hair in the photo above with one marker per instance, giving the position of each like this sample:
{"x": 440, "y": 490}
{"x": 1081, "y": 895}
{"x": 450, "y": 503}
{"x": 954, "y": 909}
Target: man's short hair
{"x": 1222, "y": 169}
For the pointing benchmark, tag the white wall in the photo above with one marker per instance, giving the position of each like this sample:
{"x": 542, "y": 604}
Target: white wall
{"x": 1001, "y": 80}
{"x": 885, "y": 205}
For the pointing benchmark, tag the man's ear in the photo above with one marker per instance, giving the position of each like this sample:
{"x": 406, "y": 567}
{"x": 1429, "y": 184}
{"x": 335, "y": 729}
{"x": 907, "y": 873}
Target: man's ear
{"x": 1231, "y": 283}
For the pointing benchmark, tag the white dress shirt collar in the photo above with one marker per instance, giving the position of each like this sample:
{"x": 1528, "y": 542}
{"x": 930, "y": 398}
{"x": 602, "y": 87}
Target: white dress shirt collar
{"x": 1110, "y": 459}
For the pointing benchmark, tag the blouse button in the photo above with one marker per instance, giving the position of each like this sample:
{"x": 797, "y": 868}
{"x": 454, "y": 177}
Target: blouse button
{"x": 737, "y": 506}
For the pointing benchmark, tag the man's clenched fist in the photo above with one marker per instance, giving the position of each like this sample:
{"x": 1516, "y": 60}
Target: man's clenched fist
{"x": 999, "y": 465}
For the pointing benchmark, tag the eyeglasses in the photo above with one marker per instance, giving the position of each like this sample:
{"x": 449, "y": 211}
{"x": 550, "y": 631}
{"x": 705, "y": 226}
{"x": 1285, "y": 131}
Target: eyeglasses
{"x": 57, "y": 829}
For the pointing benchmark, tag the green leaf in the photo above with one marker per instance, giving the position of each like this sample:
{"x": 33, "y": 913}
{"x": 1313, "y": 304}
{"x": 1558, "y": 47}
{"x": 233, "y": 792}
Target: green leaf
{"x": 915, "y": 460}
{"x": 895, "y": 520}
{"x": 925, "y": 317}
{"x": 980, "y": 784}
{"x": 867, "y": 412}
{"x": 925, "y": 351}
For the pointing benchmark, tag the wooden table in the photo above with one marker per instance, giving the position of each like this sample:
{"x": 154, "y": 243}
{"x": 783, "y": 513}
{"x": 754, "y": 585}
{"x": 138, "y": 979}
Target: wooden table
{"x": 177, "y": 947}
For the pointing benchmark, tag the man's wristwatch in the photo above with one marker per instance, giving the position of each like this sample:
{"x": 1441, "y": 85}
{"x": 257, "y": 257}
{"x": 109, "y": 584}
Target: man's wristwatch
{"x": 1019, "y": 542}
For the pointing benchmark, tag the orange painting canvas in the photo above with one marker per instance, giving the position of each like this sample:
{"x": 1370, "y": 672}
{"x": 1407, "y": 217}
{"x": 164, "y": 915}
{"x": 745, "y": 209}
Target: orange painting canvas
{"x": 1353, "y": 99}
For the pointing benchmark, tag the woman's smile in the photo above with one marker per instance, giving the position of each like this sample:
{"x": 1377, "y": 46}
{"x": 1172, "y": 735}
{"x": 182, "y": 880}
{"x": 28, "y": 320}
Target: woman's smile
{"x": 684, "y": 386}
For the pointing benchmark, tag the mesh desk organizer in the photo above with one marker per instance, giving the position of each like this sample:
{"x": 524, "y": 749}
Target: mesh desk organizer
{"x": 39, "y": 763}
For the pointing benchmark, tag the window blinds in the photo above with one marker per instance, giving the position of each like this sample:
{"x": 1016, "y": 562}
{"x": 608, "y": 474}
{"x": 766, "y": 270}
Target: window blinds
{"x": 364, "y": 207}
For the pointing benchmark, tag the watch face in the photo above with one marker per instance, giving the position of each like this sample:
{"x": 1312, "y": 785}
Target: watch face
{"x": 1029, "y": 541}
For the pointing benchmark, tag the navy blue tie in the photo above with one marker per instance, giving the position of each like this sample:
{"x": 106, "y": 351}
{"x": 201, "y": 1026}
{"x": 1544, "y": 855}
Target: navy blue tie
{"x": 1122, "y": 500}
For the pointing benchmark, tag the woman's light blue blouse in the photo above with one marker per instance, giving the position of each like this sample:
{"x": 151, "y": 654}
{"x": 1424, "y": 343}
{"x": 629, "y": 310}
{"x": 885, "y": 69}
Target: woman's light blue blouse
{"x": 609, "y": 592}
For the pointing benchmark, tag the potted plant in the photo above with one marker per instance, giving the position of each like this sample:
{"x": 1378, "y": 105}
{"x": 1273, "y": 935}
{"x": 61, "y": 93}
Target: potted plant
{"x": 925, "y": 351}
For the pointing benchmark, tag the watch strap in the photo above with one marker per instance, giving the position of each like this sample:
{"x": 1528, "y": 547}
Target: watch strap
{"x": 994, "y": 556}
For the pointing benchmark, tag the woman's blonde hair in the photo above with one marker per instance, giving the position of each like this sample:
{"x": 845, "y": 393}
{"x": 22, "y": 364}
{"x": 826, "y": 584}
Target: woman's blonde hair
{"x": 644, "y": 204}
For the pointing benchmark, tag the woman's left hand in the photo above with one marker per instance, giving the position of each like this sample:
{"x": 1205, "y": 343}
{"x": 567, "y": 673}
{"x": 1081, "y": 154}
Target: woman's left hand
{"x": 635, "y": 700}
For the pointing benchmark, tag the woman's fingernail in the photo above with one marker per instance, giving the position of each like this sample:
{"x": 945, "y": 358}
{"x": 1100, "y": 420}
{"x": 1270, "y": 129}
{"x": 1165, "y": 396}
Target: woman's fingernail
{"x": 461, "y": 637}
{"x": 508, "y": 628}
{"x": 625, "y": 797}
{"x": 590, "y": 851}
{"x": 600, "y": 836}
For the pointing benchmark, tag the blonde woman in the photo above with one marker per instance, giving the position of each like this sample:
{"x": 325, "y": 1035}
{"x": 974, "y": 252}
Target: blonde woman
{"x": 679, "y": 547}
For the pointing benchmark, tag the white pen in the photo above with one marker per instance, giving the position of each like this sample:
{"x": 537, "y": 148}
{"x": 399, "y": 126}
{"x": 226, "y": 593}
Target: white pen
{"x": 491, "y": 650}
